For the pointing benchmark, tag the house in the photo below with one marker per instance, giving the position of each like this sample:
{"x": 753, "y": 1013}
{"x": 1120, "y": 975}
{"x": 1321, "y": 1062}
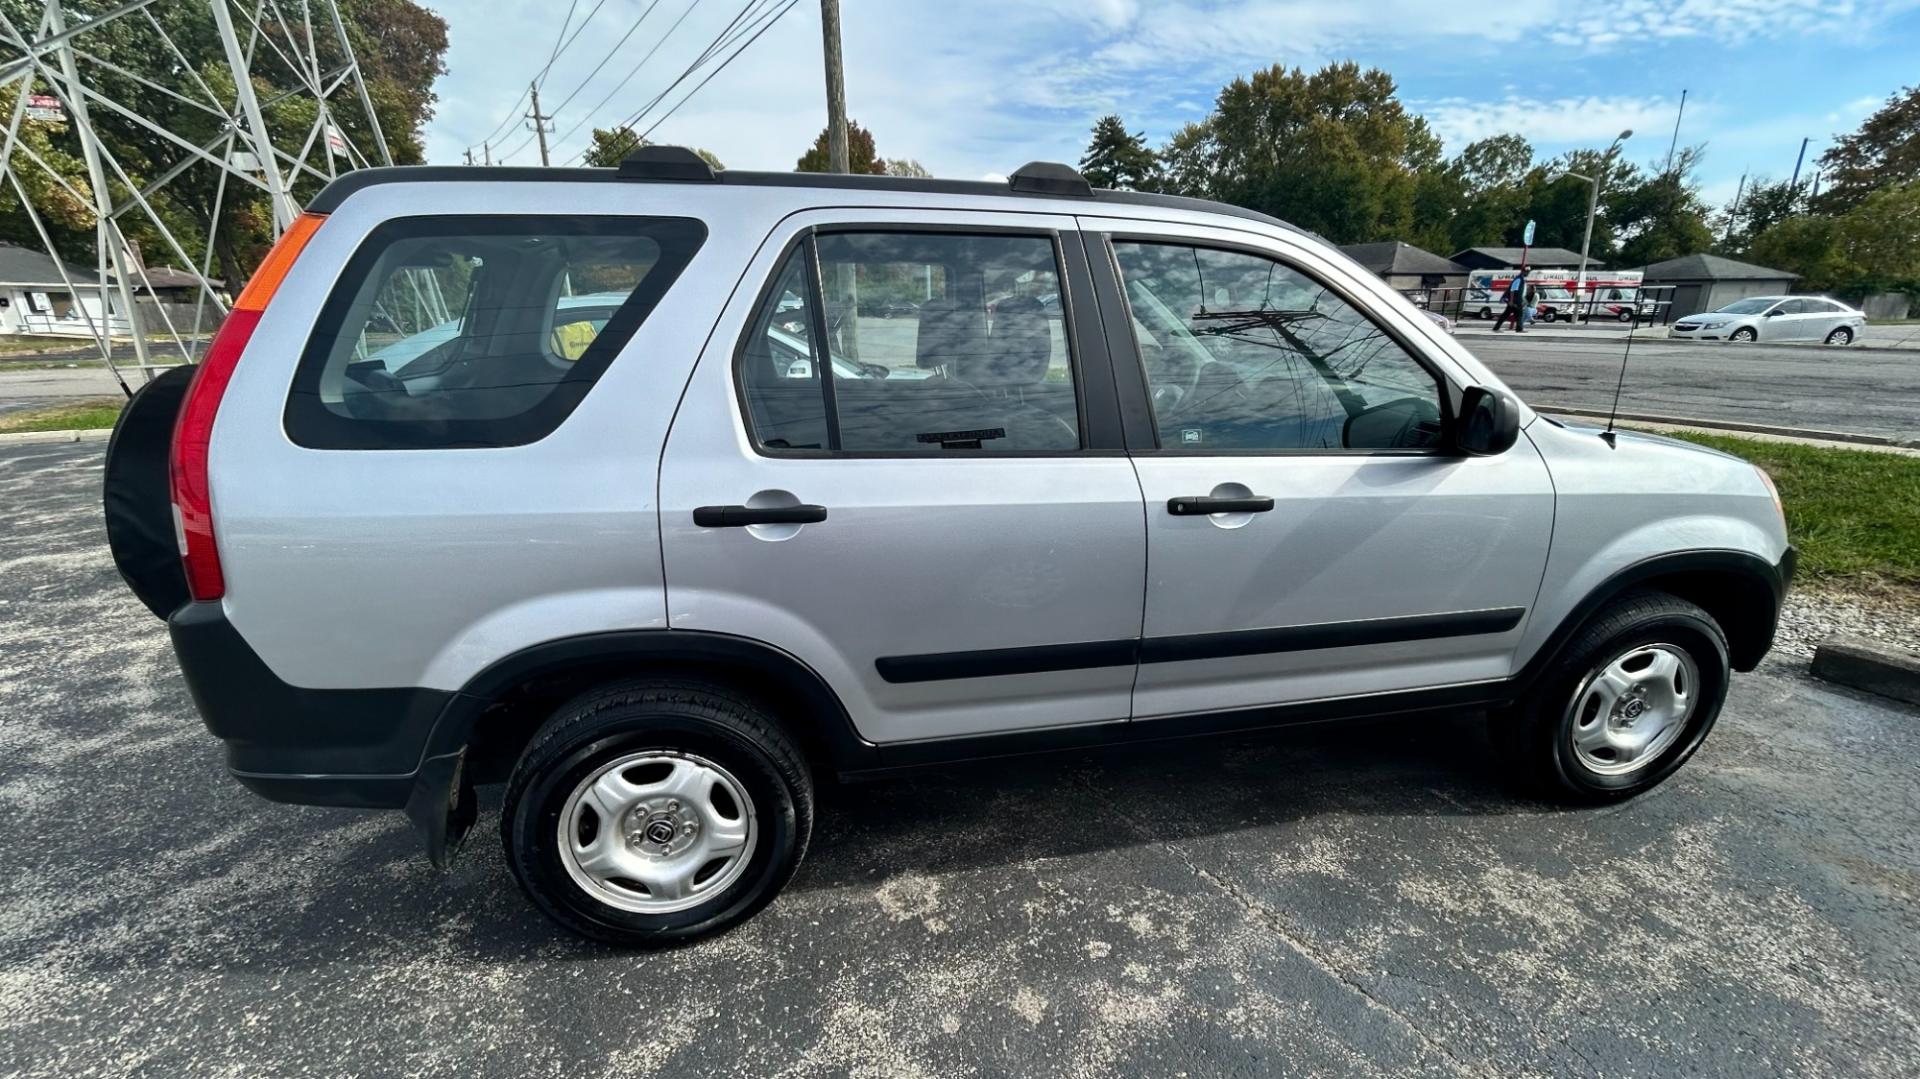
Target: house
{"x": 35, "y": 299}
{"x": 1507, "y": 258}
{"x": 1404, "y": 266}
{"x": 1710, "y": 282}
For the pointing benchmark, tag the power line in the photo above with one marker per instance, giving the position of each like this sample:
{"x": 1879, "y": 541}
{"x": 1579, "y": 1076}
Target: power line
{"x": 752, "y": 13}
{"x": 726, "y": 36}
{"x": 564, "y": 102}
{"x": 561, "y": 42}
{"x": 635, "y": 70}
{"x": 768, "y": 25}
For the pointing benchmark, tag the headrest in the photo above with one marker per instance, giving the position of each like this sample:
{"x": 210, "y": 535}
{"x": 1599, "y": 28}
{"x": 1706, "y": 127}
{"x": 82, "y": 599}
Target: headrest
{"x": 1020, "y": 346}
{"x": 949, "y": 333}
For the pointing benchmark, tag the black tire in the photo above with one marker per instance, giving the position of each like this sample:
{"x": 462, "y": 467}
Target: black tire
{"x": 1840, "y": 336}
{"x": 1745, "y": 335}
{"x": 1536, "y": 736}
{"x": 1486, "y": 314}
{"x": 1624, "y": 315}
{"x": 677, "y": 717}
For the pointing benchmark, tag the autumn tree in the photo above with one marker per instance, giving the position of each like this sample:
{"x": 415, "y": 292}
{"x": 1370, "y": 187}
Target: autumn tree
{"x": 861, "y": 156}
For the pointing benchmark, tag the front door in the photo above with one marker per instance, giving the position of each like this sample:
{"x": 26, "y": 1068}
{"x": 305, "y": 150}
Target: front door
{"x": 898, "y": 459}
{"x": 1309, "y": 537}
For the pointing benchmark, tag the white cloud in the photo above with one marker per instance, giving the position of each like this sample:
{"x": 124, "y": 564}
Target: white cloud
{"x": 1559, "y": 122}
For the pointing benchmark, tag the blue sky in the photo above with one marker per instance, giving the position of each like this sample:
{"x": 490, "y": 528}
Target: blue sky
{"x": 977, "y": 87}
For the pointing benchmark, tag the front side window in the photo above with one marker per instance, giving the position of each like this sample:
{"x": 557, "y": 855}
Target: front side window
{"x": 912, "y": 343}
{"x": 1244, "y": 353}
{"x": 468, "y": 331}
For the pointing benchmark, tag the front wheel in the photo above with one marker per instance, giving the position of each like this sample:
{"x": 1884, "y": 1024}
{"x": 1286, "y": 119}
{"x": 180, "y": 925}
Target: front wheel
{"x": 656, "y": 812}
{"x": 1624, "y": 316}
{"x": 1745, "y": 334}
{"x": 1628, "y": 701}
{"x": 1840, "y": 336}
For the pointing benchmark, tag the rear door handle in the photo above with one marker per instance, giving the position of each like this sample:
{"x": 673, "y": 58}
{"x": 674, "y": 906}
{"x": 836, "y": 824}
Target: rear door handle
{"x": 741, "y": 516}
{"x": 1199, "y": 505}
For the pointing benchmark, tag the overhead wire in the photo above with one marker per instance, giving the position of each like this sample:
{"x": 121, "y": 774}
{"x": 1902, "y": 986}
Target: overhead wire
{"x": 631, "y": 72}
{"x": 561, "y": 42}
{"x": 754, "y": 19}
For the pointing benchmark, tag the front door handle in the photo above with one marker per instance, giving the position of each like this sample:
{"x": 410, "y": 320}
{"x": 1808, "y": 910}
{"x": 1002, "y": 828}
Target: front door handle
{"x": 741, "y": 516}
{"x": 1199, "y": 505}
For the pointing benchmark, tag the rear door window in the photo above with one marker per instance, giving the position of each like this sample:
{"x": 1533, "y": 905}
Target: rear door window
{"x": 474, "y": 331}
{"x": 913, "y": 344}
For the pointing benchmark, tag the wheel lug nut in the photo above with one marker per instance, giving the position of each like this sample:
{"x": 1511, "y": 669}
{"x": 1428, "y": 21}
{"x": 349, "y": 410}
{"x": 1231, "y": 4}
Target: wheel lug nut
{"x": 673, "y": 807}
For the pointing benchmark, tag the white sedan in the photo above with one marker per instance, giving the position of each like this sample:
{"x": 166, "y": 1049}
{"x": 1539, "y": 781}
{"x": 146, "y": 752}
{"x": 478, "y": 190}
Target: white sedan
{"x": 1775, "y": 318}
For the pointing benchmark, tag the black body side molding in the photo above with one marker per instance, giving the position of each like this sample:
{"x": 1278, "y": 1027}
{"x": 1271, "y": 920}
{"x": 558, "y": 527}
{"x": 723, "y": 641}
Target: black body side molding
{"x": 993, "y": 662}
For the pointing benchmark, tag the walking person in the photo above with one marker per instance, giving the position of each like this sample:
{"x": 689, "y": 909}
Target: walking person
{"x": 1516, "y": 304}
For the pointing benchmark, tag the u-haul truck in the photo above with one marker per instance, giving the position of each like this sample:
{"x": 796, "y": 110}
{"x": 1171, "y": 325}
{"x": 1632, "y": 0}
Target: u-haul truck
{"x": 1612, "y": 293}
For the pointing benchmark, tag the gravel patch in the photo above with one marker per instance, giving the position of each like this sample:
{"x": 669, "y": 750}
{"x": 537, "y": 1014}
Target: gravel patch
{"x": 1812, "y": 617}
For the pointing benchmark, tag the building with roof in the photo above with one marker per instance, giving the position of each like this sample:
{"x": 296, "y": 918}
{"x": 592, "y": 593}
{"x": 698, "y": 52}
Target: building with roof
{"x": 36, "y": 298}
{"x": 1710, "y": 282}
{"x": 1507, "y": 258}
{"x": 1404, "y": 266}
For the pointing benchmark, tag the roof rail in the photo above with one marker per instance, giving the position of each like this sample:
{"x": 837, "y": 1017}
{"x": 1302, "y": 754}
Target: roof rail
{"x": 1049, "y": 178}
{"x": 664, "y": 163}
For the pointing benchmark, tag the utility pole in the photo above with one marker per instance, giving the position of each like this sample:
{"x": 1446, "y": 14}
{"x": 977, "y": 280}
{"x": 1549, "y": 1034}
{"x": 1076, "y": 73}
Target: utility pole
{"x": 540, "y": 127}
{"x": 837, "y": 160}
{"x": 1671, "y": 146}
{"x": 469, "y": 155}
{"x": 486, "y": 154}
{"x": 1733, "y": 214}
{"x": 1793, "y": 185}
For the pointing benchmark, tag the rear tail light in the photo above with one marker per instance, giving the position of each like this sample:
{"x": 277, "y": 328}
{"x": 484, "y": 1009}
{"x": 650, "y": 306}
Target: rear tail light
{"x": 193, "y": 431}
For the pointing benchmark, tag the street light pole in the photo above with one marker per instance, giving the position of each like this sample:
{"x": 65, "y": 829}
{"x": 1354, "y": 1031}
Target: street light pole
{"x": 1593, "y": 204}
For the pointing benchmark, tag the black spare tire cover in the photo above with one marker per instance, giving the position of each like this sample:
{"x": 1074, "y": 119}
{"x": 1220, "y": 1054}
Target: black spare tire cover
{"x": 138, "y": 495}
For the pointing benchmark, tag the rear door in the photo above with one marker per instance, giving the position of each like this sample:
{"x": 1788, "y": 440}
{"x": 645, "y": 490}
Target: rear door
{"x": 935, "y": 510}
{"x": 1308, "y": 537}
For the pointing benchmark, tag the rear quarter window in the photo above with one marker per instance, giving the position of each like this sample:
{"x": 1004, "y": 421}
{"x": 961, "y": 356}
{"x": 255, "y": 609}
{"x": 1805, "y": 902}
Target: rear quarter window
{"x": 478, "y": 331}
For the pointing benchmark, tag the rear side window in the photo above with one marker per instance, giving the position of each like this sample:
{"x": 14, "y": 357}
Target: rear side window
{"x": 476, "y": 331}
{"x": 913, "y": 344}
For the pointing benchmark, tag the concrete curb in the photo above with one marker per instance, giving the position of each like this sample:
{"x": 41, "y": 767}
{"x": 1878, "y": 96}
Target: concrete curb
{"x": 1806, "y": 433}
{"x": 1889, "y": 672}
{"x": 44, "y": 438}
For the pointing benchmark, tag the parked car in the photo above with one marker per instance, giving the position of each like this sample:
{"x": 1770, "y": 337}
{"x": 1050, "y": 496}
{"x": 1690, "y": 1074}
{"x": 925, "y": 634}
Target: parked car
{"x": 663, "y": 589}
{"x": 1775, "y": 318}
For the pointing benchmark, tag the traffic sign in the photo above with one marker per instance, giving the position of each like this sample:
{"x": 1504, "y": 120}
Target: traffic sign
{"x": 1527, "y": 237}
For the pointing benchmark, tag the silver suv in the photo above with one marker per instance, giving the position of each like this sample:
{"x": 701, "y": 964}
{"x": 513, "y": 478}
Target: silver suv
{"x": 663, "y": 496}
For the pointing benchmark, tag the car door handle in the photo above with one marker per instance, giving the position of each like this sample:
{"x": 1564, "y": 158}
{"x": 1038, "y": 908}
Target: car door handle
{"x": 741, "y": 516}
{"x": 1197, "y": 505}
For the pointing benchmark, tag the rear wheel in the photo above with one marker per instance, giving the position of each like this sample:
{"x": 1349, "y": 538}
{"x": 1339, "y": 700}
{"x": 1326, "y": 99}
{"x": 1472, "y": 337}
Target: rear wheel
{"x": 1486, "y": 314}
{"x": 657, "y": 812}
{"x": 1744, "y": 333}
{"x": 1840, "y": 336}
{"x": 1624, "y": 315}
{"x": 1629, "y": 700}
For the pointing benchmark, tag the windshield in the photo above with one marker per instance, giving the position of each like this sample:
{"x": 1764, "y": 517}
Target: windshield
{"x": 1750, "y": 307}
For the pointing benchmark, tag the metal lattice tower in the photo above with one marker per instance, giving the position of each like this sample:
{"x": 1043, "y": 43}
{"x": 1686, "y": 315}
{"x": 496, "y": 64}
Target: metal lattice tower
{"x": 264, "y": 43}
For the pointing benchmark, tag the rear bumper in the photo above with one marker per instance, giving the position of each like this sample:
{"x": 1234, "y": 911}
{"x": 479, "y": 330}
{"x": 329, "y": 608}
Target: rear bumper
{"x": 351, "y": 747}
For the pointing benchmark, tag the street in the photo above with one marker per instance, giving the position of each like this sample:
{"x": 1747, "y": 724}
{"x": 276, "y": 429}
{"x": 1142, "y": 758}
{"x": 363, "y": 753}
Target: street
{"x": 1343, "y": 900}
{"x": 1853, "y": 390}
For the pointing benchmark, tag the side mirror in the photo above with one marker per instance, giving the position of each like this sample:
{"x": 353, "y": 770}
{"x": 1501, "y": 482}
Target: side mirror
{"x": 1489, "y": 423}
{"x": 1776, "y": 311}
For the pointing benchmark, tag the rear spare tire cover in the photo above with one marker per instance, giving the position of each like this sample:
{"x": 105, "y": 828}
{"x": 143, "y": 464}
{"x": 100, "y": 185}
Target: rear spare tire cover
{"x": 138, "y": 495}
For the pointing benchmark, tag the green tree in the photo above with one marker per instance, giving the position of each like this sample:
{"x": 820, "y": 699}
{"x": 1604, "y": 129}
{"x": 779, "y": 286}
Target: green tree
{"x": 906, "y": 166}
{"x": 861, "y": 156}
{"x": 1759, "y": 207}
{"x": 1490, "y": 179}
{"x": 611, "y": 146}
{"x": 1873, "y": 247}
{"x": 1660, "y": 216}
{"x": 1886, "y": 150}
{"x": 1332, "y": 150}
{"x": 1118, "y": 159}
{"x": 1809, "y": 245}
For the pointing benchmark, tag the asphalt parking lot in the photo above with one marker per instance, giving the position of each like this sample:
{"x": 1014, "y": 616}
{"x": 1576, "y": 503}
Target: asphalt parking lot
{"x": 1362, "y": 900}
